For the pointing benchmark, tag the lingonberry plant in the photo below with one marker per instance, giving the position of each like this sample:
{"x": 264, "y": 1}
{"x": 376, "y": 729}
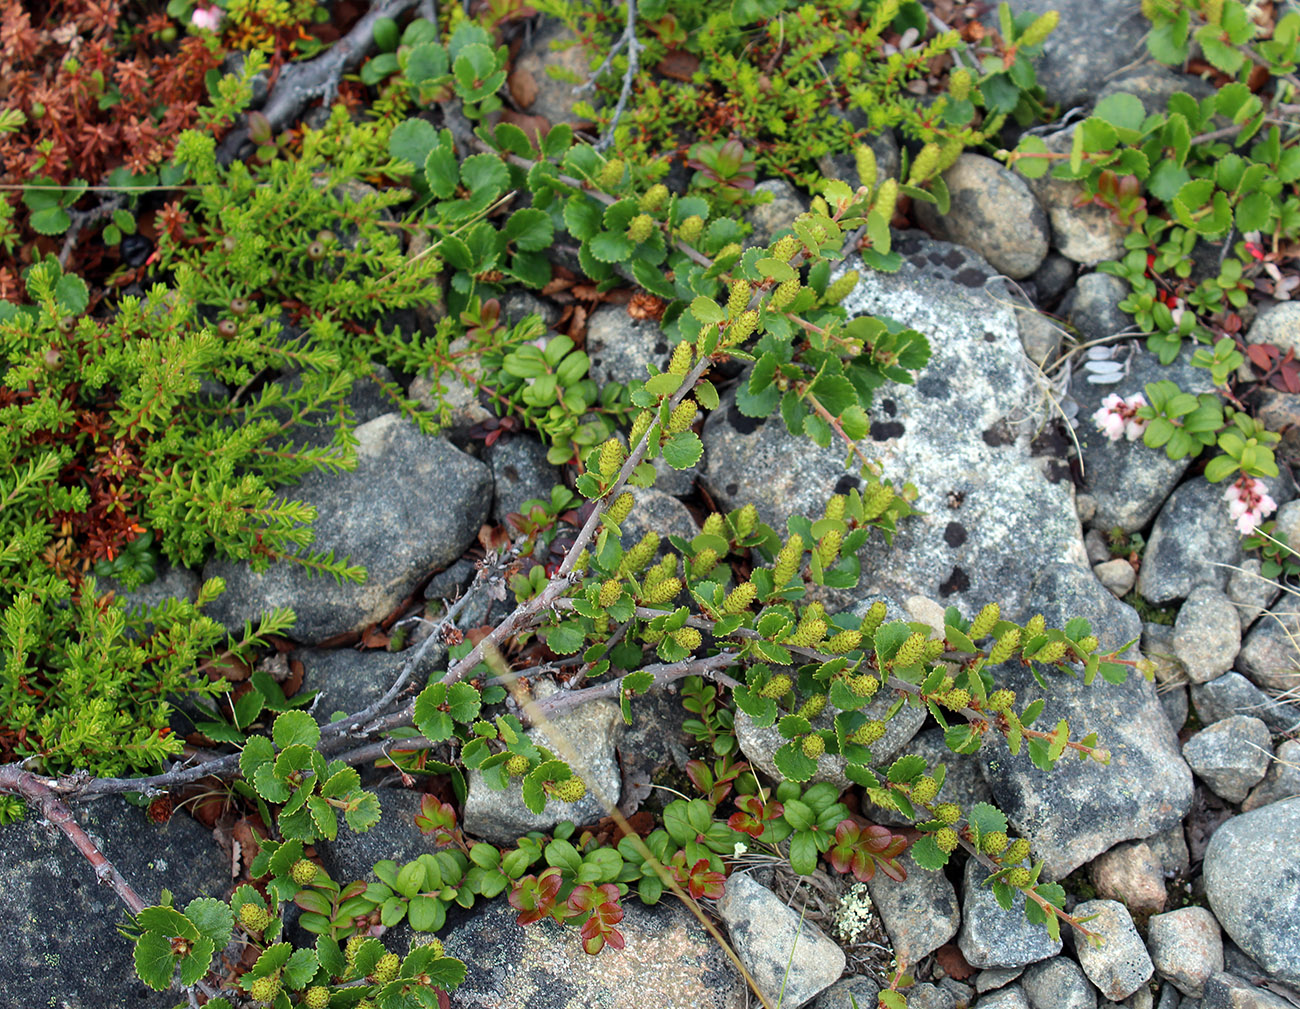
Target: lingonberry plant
{"x": 109, "y": 431}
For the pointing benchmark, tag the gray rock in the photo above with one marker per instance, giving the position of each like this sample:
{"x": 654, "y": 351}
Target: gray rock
{"x": 993, "y": 212}
{"x": 621, "y": 346}
{"x": 1129, "y": 480}
{"x": 1186, "y": 948}
{"x": 658, "y": 512}
{"x": 543, "y": 966}
{"x": 771, "y": 218}
{"x": 843, "y": 167}
{"x": 992, "y": 937}
{"x": 1282, "y": 780}
{"x": 1039, "y": 334}
{"x": 1227, "y": 991}
{"x": 952, "y": 434}
{"x": 1193, "y": 538}
{"x": 1233, "y": 694}
{"x": 1168, "y": 997}
{"x": 520, "y": 473}
{"x": 366, "y": 400}
{"x": 352, "y": 856}
{"x": 1158, "y": 646}
{"x": 1073, "y": 65}
{"x": 1230, "y": 756}
{"x": 1207, "y": 634}
{"x": 61, "y": 923}
{"x": 920, "y": 913}
{"x": 996, "y": 977}
{"x": 347, "y": 680}
{"x": 1117, "y": 576}
{"x": 555, "y": 47}
{"x": 929, "y": 996}
{"x": 592, "y": 731}
{"x": 1097, "y": 544}
{"x": 412, "y": 505}
{"x": 1058, "y": 983}
{"x": 1251, "y": 591}
{"x": 1280, "y": 326}
{"x": 1174, "y": 702}
{"x": 1083, "y": 808}
{"x": 1170, "y": 849}
{"x": 844, "y": 994}
{"x": 963, "y": 994}
{"x": 1268, "y": 655}
{"x": 1010, "y": 997}
{"x": 1092, "y": 307}
{"x": 1084, "y": 233}
{"x": 1054, "y": 277}
{"x": 789, "y": 959}
{"x": 1252, "y": 880}
{"x": 1131, "y": 874}
{"x": 170, "y": 583}
{"x": 518, "y": 303}
{"x": 1120, "y": 965}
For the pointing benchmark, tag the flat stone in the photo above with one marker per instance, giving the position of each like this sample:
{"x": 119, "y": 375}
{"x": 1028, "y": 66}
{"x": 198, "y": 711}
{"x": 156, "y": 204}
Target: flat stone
{"x": 520, "y": 473}
{"x": 920, "y": 913}
{"x": 1120, "y": 965}
{"x": 992, "y": 937}
{"x": 1058, "y": 983}
{"x": 1233, "y": 694}
{"x": 1250, "y": 591}
{"x": 992, "y": 211}
{"x": 593, "y": 731}
{"x": 668, "y": 960}
{"x": 1282, "y": 780}
{"x": 1280, "y": 326}
{"x": 621, "y": 347}
{"x": 1131, "y": 874}
{"x": 60, "y": 922}
{"x": 1227, "y": 991}
{"x": 1252, "y": 880}
{"x": 777, "y": 215}
{"x": 655, "y": 511}
{"x": 1268, "y": 655}
{"x": 1170, "y": 850}
{"x": 347, "y": 680}
{"x": 1174, "y": 702}
{"x": 996, "y": 977}
{"x": 1087, "y": 233}
{"x": 1207, "y": 634}
{"x": 1230, "y": 756}
{"x": 790, "y": 960}
{"x": 1010, "y": 997}
{"x": 1082, "y": 808}
{"x": 411, "y": 506}
{"x": 1092, "y": 306}
{"x": 1186, "y": 948}
{"x": 352, "y": 856}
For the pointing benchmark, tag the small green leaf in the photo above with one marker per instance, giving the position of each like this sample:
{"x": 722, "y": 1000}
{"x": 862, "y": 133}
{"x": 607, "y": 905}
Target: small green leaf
{"x": 295, "y": 728}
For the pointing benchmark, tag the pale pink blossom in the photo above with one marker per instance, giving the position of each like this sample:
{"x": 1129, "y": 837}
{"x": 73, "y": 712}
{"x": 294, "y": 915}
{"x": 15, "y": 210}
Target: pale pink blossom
{"x": 1118, "y": 417}
{"x": 208, "y": 18}
{"x": 1248, "y": 503}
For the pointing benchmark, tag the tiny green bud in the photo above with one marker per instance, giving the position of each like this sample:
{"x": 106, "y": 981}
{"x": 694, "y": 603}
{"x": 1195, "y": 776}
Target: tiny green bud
{"x": 640, "y": 426}
{"x": 641, "y": 554}
{"x": 682, "y": 417}
{"x": 959, "y": 84}
{"x": 1001, "y": 700}
{"x": 681, "y": 360}
{"x": 835, "y": 507}
{"x": 808, "y": 635}
{"x": 787, "y": 561}
{"x": 874, "y": 617}
{"x": 516, "y": 764}
{"x": 739, "y": 599}
{"x": 611, "y": 457}
{"x": 688, "y": 637}
{"x": 621, "y": 507}
{"x": 714, "y": 525}
{"x": 1043, "y": 26}
{"x": 641, "y": 228}
{"x": 865, "y": 158}
{"x": 741, "y": 328}
{"x": 316, "y": 997}
{"x": 744, "y": 520}
{"x": 868, "y": 734}
{"x": 863, "y": 685}
{"x": 387, "y": 967}
{"x": 933, "y": 649}
{"x": 1006, "y": 647}
{"x": 569, "y": 790}
{"x": 611, "y": 173}
{"x": 785, "y": 247}
{"x": 663, "y": 591}
{"x": 776, "y": 688}
{"x": 955, "y": 700}
{"x": 265, "y": 989}
{"x": 910, "y": 651}
{"x": 1036, "y": 626}
{"x": 947, "y": 812}
{"x": 785, "y": 293}
{"x": 690, "y": 229}
{"x": 927, "y": 160}
{"x": 946, "y": 839}
{"x": 253, "y": 918}
{"x": 829, "y": 547}
{"x": 886, "y": 199}
{"x": 876, "y": 499}
{"x": 704, "y": 562}
{"x": 925, "y": 790}
{"x": 841, "y": 288}
{"x": 993, "y": 843}
{"x": 728, "y": 250}
{"x": 303, "y": 872}
{"x": 812, "y": 707}
{"x": 654, "y": 197}
{"x": 610, "y": 592}
{"x": 738, "y": 299}
{"x": 1017, "y": 852}
{"x": 1050, "y": 653}
{"x": 813, "y": 746}
{"x": 984, "y": 621}
{"x": 844, "y": 641}
{"x": 1088, "y": 644}
{"x": 1018, "y": 877}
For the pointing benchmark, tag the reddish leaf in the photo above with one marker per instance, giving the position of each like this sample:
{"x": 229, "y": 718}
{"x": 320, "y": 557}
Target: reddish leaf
{"x": 952, "y": 962}
{"x": 1260, "y": 357}
{"x": 534, "y": 896}
{"x": 678, "y": 65}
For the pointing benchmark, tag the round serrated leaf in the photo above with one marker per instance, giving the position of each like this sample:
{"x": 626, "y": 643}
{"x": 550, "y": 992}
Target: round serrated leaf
{"x": 610, "y": 247}
{"x": 295, "y": 728}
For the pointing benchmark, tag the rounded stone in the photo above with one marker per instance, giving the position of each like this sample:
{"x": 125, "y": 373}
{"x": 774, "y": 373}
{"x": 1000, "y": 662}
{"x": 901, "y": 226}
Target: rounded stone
{"x": 1117, "y": 575}
{"x": 1207, "y": 634}
{"x": 1252, "y": 880}
{"x": 1121, "y": 965}
{"x": 993, "y": 212}
{"x": 1279, "y": 326}
{"x": 1085, "y": 233}
{"x": 1058, "y": 983}
{"x": 1131, "y": 874}
{"x": 1231, "y": 756}
{"x": 1186, "y": 948}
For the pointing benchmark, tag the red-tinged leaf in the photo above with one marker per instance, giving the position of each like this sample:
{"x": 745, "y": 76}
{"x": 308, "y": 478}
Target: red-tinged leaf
{"x": 678, "y": 64}
{"x": 953, "y": 963}
{"x": 1260, "y": 357}
{"x": 534, "y": 896}
{"x": 700, "y": 775}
